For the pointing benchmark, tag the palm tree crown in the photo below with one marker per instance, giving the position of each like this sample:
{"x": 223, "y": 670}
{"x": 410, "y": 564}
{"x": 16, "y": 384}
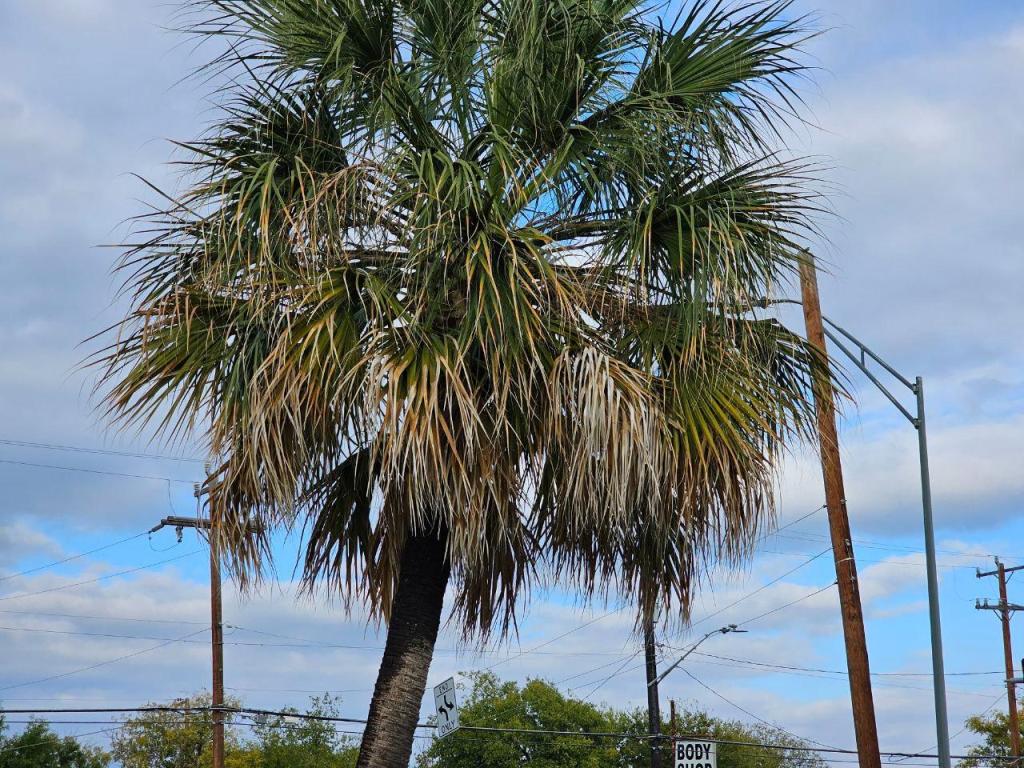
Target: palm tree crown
{"x": 485, "y": 268}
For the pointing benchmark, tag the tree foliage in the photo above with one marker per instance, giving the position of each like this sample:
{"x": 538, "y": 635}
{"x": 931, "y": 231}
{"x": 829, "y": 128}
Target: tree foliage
{"x": 538, "y": 706}
{"x": 38, "y": 746}
{"x": 170, "y": 739}
{"x": 995, "y": 748}
{"x": 487, "y": 268}
{"x": 283, "y": 742}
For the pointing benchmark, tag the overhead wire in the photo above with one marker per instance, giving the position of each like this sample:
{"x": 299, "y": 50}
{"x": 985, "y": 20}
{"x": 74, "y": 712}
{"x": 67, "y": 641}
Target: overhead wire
{"x": 102, "y": 618}
{"x": 760, "y": 719}
{"x": 842, "y": 672}
{"x": 760, "y": 589}
{"x": 100, "y": 664}
{"x": 101, "y": 451}
{"x": 546, "y": 643}
{"x": 133, "y": 475}
{"x": 105, "y": 577}
{"x": 71, "y": 558}
{"x": 614, "y": 674}
{"x": 787, "y": 605}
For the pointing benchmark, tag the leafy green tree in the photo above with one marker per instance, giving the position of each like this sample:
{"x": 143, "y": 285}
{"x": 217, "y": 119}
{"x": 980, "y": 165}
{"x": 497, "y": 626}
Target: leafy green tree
{"x": 37, "y": 746}
{"x": 168, "y": 739}
{"x": 282, "y": 742}
{"x": 538, "y": 706}
{"x": 534, "y": 706}
{"x": 472, "y": 286}
{"x": 995, "y": 746}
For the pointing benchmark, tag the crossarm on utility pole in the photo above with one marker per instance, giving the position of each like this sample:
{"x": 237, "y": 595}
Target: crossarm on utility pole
{"x": 1005, "y": 608}
{"x": 216, "y": 624}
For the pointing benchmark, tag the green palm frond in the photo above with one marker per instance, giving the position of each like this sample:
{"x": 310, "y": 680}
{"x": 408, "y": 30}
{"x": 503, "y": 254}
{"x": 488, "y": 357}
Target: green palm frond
{"x": 482, "y": 267}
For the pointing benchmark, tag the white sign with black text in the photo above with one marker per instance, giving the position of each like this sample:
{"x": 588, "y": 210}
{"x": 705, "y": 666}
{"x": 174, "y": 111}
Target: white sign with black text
{"x": 447, "y": 707}
{"x": 695, "y": 754}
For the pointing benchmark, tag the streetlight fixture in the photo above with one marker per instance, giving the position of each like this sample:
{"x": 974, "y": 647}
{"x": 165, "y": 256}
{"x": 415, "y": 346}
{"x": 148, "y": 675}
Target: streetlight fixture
{"x": 723, "y": 631}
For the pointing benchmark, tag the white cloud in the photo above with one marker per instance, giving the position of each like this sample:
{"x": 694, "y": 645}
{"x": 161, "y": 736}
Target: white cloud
{"x": 975, "y": 470}
{"x": 18, "y": 540}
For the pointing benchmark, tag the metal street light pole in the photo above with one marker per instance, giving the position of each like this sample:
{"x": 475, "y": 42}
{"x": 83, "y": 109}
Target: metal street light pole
{"x": 917, "y": 420}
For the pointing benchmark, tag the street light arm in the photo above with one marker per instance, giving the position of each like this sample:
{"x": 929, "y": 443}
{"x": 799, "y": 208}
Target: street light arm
{"x": 860, "y": 360}
{"x": 866, "y": 350}
{"x": 691, "y": 649}
{"x": 860, "y": 363}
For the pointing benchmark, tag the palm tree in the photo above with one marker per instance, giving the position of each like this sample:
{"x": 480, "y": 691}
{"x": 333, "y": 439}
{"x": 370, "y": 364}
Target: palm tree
{"x": 465, "y": 291}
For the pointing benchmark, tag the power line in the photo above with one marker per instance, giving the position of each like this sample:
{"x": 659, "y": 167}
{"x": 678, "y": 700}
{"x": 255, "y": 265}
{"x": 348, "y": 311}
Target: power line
{"x": 763, "y": 587}
{"x": 756, "y": 717}
{"x": 552, "y": 640}
{"x": 611, "y": 663}
{"x": 998, "y": 699}
{"x": 871, "y": 561}
{"x": 6, "y": 750}
{"x": 296, "y": 690}
{"x": 100, "y": 664}
{"x": 616, "y": 673}
{"x": 838, "y": 671}
{"x": 102, "y": 451}
{"x": 241, "y": 643}
{"x": 840, "y": 677}
{"x": 95, "y": 471}
{"x": 72, "y": 557}
{"x": 870, "y": 544}
{"x": 302, "y": 642}
{"x": 791, "y": 523}
{"x": 462, "y": 737}
{"x": 787, "y": 605}
{"x": 104, "y": 618}
{"x": 98, "y": 578}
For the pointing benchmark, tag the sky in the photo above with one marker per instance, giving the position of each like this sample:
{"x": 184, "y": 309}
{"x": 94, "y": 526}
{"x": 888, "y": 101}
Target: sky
{"x": 915, "y": 107}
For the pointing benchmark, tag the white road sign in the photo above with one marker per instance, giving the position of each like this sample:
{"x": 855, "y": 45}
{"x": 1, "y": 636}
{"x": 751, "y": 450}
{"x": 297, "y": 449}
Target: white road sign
{"x": 695, "y": 754}
{"x": 447, "y": 707}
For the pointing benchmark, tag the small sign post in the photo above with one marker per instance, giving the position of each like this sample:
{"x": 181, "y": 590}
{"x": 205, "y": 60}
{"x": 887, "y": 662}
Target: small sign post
{"x": 695, "y": 754}
{"x": 447, "y": 707}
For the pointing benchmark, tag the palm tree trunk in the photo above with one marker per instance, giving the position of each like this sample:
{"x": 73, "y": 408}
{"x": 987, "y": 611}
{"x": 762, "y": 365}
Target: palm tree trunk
{"x": 412, "y": 632}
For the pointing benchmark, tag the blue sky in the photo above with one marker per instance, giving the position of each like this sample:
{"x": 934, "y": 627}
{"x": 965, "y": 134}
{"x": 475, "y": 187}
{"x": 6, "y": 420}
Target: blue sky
{"x": 918, "y": 111}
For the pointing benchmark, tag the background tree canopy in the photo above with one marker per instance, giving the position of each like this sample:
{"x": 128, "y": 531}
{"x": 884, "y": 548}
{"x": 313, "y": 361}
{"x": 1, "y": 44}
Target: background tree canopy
{"x": 538, "y": 705}
{"x": 994, "y": 731}
{"x": 37, "y": 746}
{"x": 171, "y": 740}
{"x": 174, "y": 740}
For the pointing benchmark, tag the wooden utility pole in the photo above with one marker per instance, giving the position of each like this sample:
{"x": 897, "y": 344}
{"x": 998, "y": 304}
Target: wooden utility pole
{"x": 861, "y": 698}
{"x": 217, "y": 642}
{"x": 1005, "y": 609}
{"x": 653, "y": 707}
{"x": 216, "y": 626}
